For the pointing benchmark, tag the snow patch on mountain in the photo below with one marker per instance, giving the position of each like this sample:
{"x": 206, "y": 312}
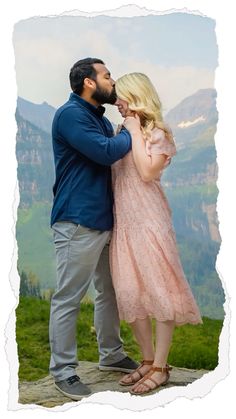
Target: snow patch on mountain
{"x": 186, "y": 124}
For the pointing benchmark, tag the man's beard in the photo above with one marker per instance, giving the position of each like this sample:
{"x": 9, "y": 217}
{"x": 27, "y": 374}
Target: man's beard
{"x": 102, "y": 96}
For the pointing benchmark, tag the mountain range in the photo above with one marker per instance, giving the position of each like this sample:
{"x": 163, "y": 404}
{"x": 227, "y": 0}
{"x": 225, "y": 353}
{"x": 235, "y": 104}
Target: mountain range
{"x": 189, "y": 183}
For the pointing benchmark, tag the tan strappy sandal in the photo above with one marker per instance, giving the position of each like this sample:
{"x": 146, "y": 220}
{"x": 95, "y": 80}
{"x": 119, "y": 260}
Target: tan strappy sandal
{"x": 148, "y": 376}
{"x": 131, "y": 375}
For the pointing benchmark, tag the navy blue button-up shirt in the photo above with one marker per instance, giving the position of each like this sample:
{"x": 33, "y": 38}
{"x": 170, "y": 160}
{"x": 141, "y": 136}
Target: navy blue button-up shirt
{"x": 84, "y": 148}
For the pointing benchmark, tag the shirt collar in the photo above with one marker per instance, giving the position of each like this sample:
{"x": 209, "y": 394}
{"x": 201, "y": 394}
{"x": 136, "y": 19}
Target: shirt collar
{"x": 97, "y": 110}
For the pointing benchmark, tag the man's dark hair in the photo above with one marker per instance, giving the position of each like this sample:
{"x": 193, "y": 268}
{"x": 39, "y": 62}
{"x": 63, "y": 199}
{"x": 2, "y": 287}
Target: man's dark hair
{"x": 80, "y": 70}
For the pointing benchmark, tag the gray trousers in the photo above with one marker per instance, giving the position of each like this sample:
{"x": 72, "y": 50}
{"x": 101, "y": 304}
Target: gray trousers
{"x": 82, "y": 255}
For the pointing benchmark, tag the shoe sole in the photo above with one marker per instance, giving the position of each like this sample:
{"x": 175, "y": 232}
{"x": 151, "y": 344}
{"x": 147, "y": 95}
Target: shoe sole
{"x": 72, "y": 396}
{"x": 126, "y": 384}
{"x": 118, "y": 369}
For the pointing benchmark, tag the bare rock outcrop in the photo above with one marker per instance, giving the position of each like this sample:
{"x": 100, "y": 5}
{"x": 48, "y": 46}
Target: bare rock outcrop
{"x": 43, "y": 392}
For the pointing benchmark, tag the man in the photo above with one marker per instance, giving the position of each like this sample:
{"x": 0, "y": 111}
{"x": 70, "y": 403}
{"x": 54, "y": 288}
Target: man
{"x": 84, "y": 148}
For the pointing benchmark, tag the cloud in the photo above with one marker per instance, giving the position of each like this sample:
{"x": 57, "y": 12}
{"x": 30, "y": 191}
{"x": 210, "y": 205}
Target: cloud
{"x": 43, "y": 63}
{"x": 173, "y": 84}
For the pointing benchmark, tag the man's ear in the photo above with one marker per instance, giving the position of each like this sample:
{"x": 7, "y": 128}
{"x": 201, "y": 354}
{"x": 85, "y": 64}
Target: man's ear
{"x": 89, "y": 83}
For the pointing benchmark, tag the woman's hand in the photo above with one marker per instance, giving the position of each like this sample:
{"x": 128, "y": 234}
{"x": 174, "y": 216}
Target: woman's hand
{"x": 132, "y": 124}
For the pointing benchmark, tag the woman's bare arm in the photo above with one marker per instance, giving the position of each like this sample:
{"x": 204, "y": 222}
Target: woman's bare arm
{"x": 148, "y": 167}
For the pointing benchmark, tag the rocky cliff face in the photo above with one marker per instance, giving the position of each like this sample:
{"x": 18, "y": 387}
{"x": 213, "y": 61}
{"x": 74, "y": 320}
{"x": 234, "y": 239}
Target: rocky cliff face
{"x": 192, "y": 178}
{"x": 210, "y": 211}
{"x": 194, "y": 118}
{"x": 35, "y": 170}
{"x": 39, "y": 115}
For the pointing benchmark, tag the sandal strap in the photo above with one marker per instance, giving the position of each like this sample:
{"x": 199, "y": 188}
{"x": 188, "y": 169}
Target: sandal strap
{"x": 154, "y": 381}
{"x": 167, "y": 368}
{"x": 132, "y": 374}
{"x": 148, "y": 377}
{"x": 137, "y": 371}
{"x": 145, "y": 384}
{"x": 144, "y": 362}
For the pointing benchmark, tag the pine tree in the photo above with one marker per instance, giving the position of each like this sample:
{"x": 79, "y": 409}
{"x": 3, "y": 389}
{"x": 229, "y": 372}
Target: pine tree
{"x": 34, "y": 286}
{"x": 24, "y": 284}
{"x": 29, "y": 285}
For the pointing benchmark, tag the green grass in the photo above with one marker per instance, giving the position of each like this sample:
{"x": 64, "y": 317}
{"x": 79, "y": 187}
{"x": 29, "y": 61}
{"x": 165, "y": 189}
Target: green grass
{"x": 35, "y": 243}
{"x": 196, "y": 346}
{"x": 193, "y": 346}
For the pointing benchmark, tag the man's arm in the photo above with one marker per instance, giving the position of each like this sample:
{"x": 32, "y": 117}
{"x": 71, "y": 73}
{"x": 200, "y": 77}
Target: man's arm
{"x": 82, "y": 133}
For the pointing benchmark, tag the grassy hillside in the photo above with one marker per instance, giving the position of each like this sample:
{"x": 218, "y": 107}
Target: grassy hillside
{"x": 193, "y": 346}
{"x": 35, "y": 243}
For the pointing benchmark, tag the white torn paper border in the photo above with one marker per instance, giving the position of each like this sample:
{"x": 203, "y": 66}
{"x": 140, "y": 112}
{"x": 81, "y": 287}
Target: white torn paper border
{"x": 215, "y": 385}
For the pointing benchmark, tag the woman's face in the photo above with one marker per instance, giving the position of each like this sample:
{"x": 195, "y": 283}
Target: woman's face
{"x": 123, "y": 107}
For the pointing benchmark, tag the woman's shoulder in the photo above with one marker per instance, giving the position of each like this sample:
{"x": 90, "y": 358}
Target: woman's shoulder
{"x": 160, "y": 144}
{"x": 157, "y": 134}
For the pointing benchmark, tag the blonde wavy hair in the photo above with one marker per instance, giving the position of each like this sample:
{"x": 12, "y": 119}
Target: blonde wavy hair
{"x": 142, "y": 98}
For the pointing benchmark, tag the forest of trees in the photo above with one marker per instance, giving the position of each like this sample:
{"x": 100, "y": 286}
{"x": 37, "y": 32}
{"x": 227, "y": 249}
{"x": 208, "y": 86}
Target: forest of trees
{"x": 30, "y": 286}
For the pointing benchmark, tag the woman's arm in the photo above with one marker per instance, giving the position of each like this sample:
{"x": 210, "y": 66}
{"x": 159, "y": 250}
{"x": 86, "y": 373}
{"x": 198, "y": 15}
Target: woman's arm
{"x": 148, "y": 167}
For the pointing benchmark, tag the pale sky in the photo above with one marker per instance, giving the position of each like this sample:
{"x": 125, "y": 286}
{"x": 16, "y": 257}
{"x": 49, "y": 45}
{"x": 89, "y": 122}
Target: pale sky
{"x": 177, "y": 51}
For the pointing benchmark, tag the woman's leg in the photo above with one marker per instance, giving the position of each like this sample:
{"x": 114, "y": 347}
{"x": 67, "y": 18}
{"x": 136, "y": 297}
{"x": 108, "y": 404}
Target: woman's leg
{"x": 164, "y": 333}
{"x": 142, "y": 329}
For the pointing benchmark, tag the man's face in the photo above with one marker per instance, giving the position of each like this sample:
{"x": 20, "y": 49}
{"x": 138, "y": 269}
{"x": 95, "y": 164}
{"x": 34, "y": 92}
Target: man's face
{"x": 105, "y": 86}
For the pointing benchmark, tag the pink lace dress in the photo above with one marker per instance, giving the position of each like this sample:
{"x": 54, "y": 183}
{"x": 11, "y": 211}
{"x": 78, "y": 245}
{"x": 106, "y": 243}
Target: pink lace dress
{"x": 146, "y": 270}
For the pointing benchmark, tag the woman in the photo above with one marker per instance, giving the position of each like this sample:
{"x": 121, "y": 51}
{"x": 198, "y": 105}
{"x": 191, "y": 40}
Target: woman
{"x": 147, "y": 274}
